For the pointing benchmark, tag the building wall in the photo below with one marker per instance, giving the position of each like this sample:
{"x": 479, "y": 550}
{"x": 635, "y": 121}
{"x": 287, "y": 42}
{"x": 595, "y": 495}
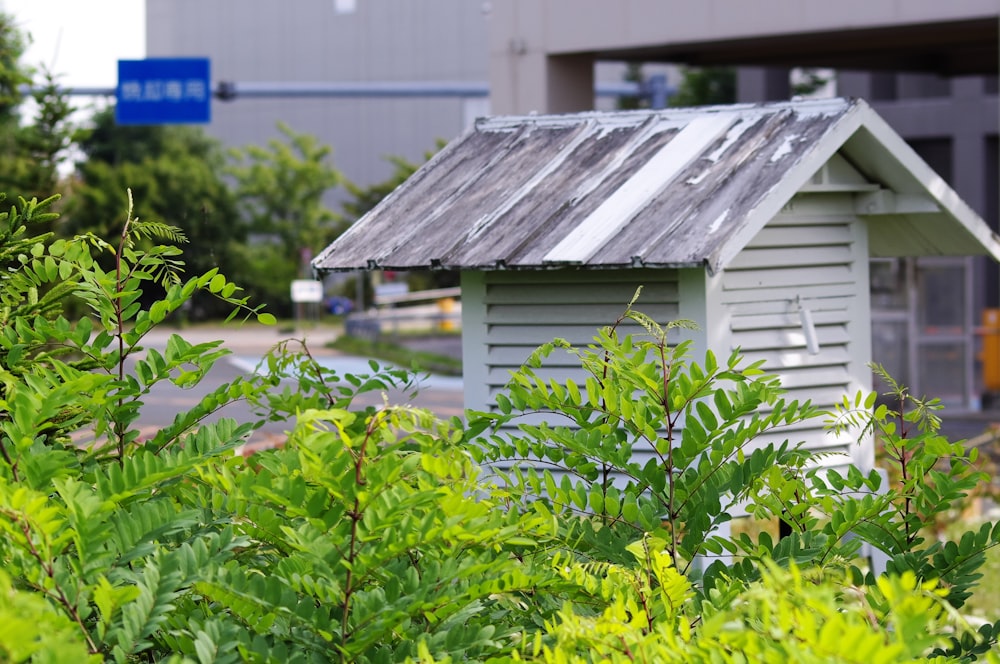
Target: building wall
{"x": 506, "y": 315}
{"x": 540, "y": 50}
{"x": 579, "y": 26}
{"x": 313, "y": 41}
{"x": 812, "y": 256}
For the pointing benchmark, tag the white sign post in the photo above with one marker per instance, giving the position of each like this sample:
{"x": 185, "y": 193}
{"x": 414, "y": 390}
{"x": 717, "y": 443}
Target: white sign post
{"x": 306, "y": 291}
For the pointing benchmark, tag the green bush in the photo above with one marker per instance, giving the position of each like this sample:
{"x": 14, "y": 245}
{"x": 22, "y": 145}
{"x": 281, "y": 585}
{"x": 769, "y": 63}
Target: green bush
{"x": 379, "y": 534}
{"x": 689, "y": 592}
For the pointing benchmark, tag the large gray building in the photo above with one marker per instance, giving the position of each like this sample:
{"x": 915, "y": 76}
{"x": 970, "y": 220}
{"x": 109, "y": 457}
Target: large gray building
{"x": 929, "y": 68}
{"x": 262, "y": 42}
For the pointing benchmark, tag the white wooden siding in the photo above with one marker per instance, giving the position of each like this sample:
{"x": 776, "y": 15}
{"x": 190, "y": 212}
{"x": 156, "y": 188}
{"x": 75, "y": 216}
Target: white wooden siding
{"x": 506, "y": 315}
{"x": 813, "y": 255}
{"x": 525, "y": 309}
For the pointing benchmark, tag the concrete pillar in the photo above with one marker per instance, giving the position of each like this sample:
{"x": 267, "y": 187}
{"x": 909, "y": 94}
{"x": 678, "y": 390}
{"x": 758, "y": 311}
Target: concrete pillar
{"x": 524, "y": 82}
{"x": 758, "y": 84}
{"x": 524, "y": 78}
{"x": 517, "y": 82}
{"x": 854, "y": 84}
{"x": 970, "y": 155}
{"x": 969, "y": 149}
{"x": 517, "y": 58}
{"x": 570, "y": 83}
{"x": 883, "y": 86}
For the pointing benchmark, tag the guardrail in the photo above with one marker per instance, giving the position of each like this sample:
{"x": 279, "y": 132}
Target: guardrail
{"x": 445, "y": 315}
{"x": 418, "y": 296}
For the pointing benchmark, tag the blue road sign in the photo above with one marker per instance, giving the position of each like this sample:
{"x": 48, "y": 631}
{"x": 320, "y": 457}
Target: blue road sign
{"x": 163, "y": 91}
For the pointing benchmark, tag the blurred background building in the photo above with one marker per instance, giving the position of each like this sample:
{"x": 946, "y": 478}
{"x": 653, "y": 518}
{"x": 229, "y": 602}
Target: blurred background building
{"x": 295, "y": 45}
{"x": 929, "y": 68}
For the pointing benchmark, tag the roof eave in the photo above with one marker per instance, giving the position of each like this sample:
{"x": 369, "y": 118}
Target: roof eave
{"x": 955, "y": 218}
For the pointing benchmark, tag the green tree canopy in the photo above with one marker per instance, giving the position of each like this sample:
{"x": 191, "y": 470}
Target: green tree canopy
{"x": 175, "y": 174}
{"x": 281, "y": 188}
{"x": 13, "y": 72}
{"x": 362, "y": 199}
{"x": 41, "y": 145}
{"x": 706, "y": 86}
{"x": 633, "y": 74}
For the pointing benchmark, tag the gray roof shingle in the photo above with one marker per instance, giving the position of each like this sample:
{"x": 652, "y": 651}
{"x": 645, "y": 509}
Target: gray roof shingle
{"x": 673, "y": 188}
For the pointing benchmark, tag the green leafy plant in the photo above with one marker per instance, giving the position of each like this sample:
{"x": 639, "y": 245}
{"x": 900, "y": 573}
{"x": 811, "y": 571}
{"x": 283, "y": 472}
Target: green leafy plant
{"x": 931, "y": 477}
{"x": 365, "y": 535}
{"x": 651, "y": 442}
{"x": 654, "y": 445}
{"x": 93, "y": 527}
{"x": 788, "y": 616}
{"x": 579, "y": 522}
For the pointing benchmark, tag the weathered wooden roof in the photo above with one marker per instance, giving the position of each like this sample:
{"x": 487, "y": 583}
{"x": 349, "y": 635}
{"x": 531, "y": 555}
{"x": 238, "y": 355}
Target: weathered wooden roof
{"x": 674, "y": 188}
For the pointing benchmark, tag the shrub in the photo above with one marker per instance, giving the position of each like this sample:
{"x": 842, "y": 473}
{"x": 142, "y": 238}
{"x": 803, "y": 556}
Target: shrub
{"x": 655, "y": 448}
{"x": 385, "y": 534}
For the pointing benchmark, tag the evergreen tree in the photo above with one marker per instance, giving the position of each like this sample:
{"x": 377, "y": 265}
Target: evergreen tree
{"x": 31, "y": 145}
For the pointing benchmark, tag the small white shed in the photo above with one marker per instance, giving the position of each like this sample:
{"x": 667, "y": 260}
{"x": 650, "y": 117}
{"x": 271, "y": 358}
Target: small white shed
{"x": 737, "y": 217}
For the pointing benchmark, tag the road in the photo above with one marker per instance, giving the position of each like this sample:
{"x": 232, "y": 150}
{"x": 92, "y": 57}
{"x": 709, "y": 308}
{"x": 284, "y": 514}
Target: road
{"x": 440, "y": 394}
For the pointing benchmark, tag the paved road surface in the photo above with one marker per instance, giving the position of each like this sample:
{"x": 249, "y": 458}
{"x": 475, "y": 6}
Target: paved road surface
{"x": 248, "y": 344}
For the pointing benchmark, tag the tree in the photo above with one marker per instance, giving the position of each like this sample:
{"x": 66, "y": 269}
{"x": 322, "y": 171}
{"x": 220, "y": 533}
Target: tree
{"x": 363, "y": 199}
{"x": 633, "y": 74}
{"x": 705, "y": 86}
{"x": 281, "y": 189}
{"x": 31, "y": 151}
{"x": 175, "y": 174}
{"x": 717, "y": 85}
{"x": 13, "y": 73}
{"x": 806, "y": 81}
{"x": 43, "y": 144}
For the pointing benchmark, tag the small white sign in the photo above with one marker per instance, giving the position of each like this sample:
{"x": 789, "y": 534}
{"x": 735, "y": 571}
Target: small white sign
{"x": 391, "y": 288}
{"x": 307, "y": 290}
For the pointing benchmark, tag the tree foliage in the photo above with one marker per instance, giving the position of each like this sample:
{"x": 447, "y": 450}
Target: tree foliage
{"x": 13, "y": 73}
{"x": 40, "y": 146}
{"x": 705, "y": 86}
{"x": 363, "y": 199}
{"x": 175, "y": 174}
{"x": 281, "y": 189}
{"x": 229, "y": 203}
{"x": 633, "y": 74}
{"x": 578, "y": 522}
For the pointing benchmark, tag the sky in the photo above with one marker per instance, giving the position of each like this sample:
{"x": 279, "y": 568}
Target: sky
{"x": 81, "y": 40}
